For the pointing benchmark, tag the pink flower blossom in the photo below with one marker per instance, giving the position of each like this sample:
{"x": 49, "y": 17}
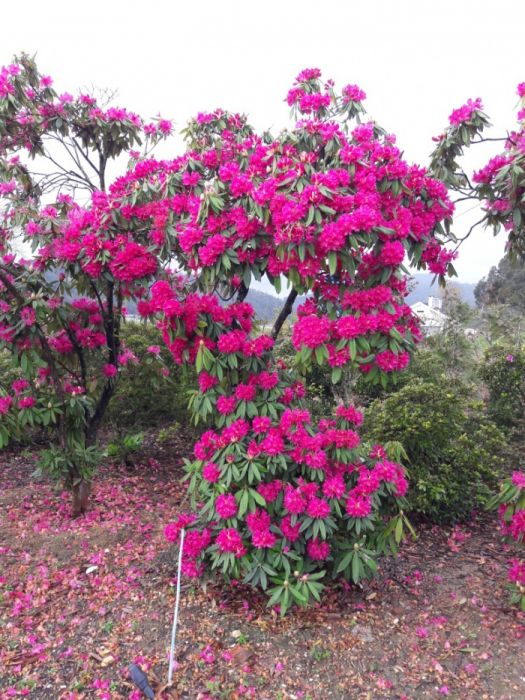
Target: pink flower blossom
{"x": 28, "y": 316}
{"x": 226, "y": 404}
{"x": 334, "y": 487}
{"x": 318, "y": 550}
{"x": 165, "y": 126}
{"x": 27, "y": 402}
{"x": 294, "y": 501}
{"x": 318, "y": 508}
{"x": 207, "y": 381}
{"x": 310, "y": 331}
{"x": 291, "y": 532}
{"x": 207, "y": 655}
{"x": 211, "y": 472}
{"x": 229, "y": 540}
{"x": 261, "y": 424}
{"x": 133, "y": 262}
{"x": 350, "y": 414}
{"x": 5, "y": 404}
{"x": 273, "y": 443}
{"x": 518, "y": 479}
{"x": 464, "y": 113}
{"x": 270, "y": 490}
{"x": 226, "y": 506}
{"x": 353, "y": 93}
{"x": 245, "y": 392}
{"x": 358, "y": 506}
{"x": 516, "y": 572}
{"x": 20, "y": 385}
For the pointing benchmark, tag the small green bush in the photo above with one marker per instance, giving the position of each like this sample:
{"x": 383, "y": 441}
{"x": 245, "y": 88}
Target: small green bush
{"x": 426, "y": 365}
{"x": 125, "y": 448}
{"x": 144, "y": 397}
{"x": 454, "y": 451}
{"x": 503, "y": 371}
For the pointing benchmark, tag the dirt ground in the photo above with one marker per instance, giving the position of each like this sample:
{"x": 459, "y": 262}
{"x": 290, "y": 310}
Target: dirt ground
{"x": 80, "y": 600}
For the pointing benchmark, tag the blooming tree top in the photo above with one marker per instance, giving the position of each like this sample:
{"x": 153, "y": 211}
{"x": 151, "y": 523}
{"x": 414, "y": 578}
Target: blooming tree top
{"x": 500, "y": 184}
{"x": 329, "y": 207}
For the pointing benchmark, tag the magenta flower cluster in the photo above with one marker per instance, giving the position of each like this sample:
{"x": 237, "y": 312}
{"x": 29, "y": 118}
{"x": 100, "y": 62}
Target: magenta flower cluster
{"x": 511, "y": 513}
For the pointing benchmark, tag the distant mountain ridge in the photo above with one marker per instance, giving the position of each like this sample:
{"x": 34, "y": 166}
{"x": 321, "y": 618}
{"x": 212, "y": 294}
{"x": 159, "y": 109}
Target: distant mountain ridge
{"x": 266, "y": 306}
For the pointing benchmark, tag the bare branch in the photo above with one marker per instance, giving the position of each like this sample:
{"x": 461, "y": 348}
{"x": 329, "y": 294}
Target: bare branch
{"x": 469, "y": 232}
{"x": 85, "y": 155}
{"x": 81, "y": 177}
{"x": 465, "y": 198}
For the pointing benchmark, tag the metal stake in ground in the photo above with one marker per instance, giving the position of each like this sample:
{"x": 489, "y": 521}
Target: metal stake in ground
{"x": 176, "y": 611}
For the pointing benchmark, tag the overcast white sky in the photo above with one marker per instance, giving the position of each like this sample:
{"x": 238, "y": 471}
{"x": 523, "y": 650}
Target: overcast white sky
{"x": 416, "y": 60}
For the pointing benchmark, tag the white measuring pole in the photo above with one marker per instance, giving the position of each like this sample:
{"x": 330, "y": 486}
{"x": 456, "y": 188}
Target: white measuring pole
{"x": 176, "y": 611}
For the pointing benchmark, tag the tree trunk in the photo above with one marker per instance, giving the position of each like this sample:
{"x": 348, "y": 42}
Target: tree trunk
{"x": 343, "y": 391}
{"x": 284, "y": 313}
{"x": 80, "y": 495}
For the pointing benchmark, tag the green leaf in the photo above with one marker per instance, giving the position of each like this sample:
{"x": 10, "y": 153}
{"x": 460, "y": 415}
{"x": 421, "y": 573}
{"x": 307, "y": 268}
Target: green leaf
{"x": 315, "y": 588}
{"x": 345, "y": 561}
{"x": 399, "y": 530}
{"x": 320, "y": 354}
{"x": 336, "y": 374}
{"x": 409, "y": 526}
{"x": 275, "y": 597}
{"x": 371, "y": 563}
{"x": 243, "y": 503}
{"x": 300, "y": 597}
{"x": 310, "y": 217}
{"x": 356, "y": 568}
{"x": 257, "y": 497}
{"x": 199, "y": 359}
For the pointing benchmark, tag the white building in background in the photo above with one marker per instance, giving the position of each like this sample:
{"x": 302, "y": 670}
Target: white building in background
{"x": 432, "y": 317}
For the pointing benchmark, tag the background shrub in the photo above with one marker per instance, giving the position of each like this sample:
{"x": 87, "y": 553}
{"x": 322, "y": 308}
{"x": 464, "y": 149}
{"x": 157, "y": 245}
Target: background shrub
{"x": 144, "y": 397}
{"x": 454, "y": 451}
{"x": 503, "y": 371}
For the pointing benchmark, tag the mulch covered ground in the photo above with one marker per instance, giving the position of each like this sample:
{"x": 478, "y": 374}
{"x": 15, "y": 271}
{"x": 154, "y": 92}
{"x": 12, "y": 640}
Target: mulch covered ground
{"x": 80, "y": 600}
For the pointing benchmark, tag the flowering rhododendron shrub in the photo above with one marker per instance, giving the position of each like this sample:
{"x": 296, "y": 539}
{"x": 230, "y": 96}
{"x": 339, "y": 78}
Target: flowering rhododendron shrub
{"x": 503, "y": 372}
{"x": 61, "y": 309}
{"x": 277, "y": 499}
{"x": 510, "y": 503}
{"x": 331, "y": 209}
